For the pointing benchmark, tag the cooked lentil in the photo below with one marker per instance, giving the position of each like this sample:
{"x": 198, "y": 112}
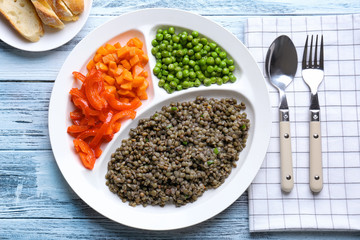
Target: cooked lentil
{"x": 179, "y": 152}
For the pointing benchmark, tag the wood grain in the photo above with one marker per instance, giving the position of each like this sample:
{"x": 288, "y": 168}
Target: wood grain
{"x": 35, "y": 200}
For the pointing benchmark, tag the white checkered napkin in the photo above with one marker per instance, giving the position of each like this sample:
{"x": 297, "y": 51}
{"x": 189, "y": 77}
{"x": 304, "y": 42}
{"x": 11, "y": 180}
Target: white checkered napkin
{"x": 337, "y": 206}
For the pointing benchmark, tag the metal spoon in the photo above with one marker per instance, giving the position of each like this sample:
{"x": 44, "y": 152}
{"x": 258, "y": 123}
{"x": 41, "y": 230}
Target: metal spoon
{"x": 280, "y": 66}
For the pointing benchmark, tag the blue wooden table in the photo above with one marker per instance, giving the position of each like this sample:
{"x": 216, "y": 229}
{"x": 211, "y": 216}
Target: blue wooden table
{"x": 35, "y": 200}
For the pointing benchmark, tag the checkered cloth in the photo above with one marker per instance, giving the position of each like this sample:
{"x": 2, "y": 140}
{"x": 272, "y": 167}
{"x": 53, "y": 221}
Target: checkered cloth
{"x": 337, "y": 206}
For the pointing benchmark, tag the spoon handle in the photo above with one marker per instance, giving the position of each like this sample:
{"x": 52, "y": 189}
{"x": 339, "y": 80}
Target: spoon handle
{"x": 287, "y": 178}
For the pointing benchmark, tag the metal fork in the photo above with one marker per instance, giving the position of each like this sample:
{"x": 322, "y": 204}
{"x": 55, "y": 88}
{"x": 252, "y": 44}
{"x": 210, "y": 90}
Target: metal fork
{"x": 313, "y": 74}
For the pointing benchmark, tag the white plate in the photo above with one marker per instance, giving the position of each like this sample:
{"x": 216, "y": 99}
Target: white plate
{"x": 249, "y": 87}
{"x": 52, "y": 38}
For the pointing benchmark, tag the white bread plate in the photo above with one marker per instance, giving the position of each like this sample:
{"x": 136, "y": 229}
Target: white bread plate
{"x": 52, "y": 38}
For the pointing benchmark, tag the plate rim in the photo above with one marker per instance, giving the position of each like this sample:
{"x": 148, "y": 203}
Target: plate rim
{"x": 258, "y": 161}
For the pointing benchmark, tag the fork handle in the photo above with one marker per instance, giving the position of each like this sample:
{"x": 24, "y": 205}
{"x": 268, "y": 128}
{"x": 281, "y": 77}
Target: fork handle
{"x": 287, "y": 178}
{"x": 316, "y": 172}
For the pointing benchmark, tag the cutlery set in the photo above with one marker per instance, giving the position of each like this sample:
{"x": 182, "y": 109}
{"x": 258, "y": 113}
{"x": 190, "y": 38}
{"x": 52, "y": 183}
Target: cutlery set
{"x": 280, "y": 67}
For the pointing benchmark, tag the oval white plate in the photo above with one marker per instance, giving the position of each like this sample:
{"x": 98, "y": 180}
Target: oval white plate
{"x": 52, "y": 38}
{"x": 249, "y": 88}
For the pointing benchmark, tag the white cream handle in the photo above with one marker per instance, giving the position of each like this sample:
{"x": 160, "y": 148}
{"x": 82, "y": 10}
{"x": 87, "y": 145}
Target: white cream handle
{"x": 287, "y": 177}
{"x": 316, "y": 172}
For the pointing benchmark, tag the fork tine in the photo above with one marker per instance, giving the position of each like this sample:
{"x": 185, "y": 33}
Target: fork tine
{"x": 315, "y": 55}
{"x": 305, "y": 53}
{"x": 310, "y": 54}
{"x": 322, "y": 53}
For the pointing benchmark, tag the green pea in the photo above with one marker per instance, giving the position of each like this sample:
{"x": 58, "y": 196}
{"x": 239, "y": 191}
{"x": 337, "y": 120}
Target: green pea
{"x": 232, "y": 78}
{"x": 197, "y": 83}
{"x": 154, "y": 51}
{"x": 218, "y": 50}
{"x": 192, "y": 75}
{"x": 156, "y": 70}
{"x": 165, "y": 32}
{"x": 171, "y": 30}
{"x": 186, "y": 73}
{"x": 162, "y": 46}
{"x": 175, "y": 38}
{"x": 171, "y": 67}
{"x": 195, "y": 41}
{"x": 190, "y": 52}
{"x": 192, "y": 63}
{"x": 197, "y": 56}
{"x": 154, "y": 43}
{"x": 219, "y": 81}
{"x": 189, "y": 45}
{"x": 196, "y": 68}
{"x": 202, "y": 61}
{"x": 186, "y": 60}
{"x": 213, "y": 80}
{"x": 222, "y": 55}
{"x": 203, "y": 41}
{"x": 210, "y": 69}
{"x": 159, "y": 37}
{"x": 186, "y": 84}
{"x": 177, "y": 69}
{"x": 169, "y": 48}
{"x": 207, "y": 82}
{"x": 164, "y": 72}
{"x": 173, "y": 84}
{"x": 169, "y": 90}
{"x": 168, "y": 37}
{"x": 213, "y": 46}
{"x": 217, "y": 61}
{"x": 159, "y": 30}
{"x": 170, "y": 77}
{"x": 195, "y": 34}
{"x": 190, "y": 38}
{"x": 229, "y": 62}
{"x": 179, "y": 87}
{"x": 225, "y": 71}
{"x": 207, "y": 48}
{"x": 161, "y": 83}
{"x": 210, "y": 61}
{"x": 214, "y": 55}
{"x": 158, "y": 64}
{"x": 203, "y": 52}
{"x": 179, "y": 75}
{"x": 164, "y": 66}
{"x": 197, "y": 48}
{"x": 191, "y": 84}
{"x": 225, "y": 79}
{"x": 222, "y": 64}
{"x": 231, "y": 68}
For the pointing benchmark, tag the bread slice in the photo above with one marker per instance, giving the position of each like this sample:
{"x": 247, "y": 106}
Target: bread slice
{"x": 47, "y": 14}
{"x": 75, "y": 6}
{"x": 22, "y": 16}
{"x": 62, "y": 11}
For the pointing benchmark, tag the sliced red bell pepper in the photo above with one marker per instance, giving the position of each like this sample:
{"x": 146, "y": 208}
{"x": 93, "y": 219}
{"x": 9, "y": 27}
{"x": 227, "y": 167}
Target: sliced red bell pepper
{"x": 84, "y": 106}
{"x": 79, "y": 76}
{"x": 102, "y": 131}
{"x": 77, "y": 129}
{"x": 87, "y": 155}
{"x": 94, "y": 86}
{"x": 120, "y": 106}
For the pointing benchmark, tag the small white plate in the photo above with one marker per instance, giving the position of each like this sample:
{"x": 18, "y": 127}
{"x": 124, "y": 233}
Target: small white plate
{"x": 51, "y": 39}
{"x": 250, "y": 88}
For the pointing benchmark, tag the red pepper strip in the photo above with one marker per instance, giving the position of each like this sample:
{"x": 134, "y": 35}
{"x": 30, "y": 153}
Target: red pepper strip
{"x": 93, "y": 88}
{"x": 91, "y": 133}
{"x": 79, "y": 76}
{"x": 76, "y": 122}
{"x": 84, "y": 106}
{"x": 75, "y": 92}
{"x": 86, "y": 154}
{"x": 120, "y": 106}
{"x": 102, "y": 131}
{"x": 77, "y": 129}
{"x": 76, "y": 115}
{"x": 126, "y": 113}
{"x": 97, "y": 151}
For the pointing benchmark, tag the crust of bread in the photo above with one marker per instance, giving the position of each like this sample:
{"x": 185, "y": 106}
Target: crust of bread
{"x": 62, "y": 11}
{"x": 75, "y": 6}
{"x": 47, "y": 14}
{"x": 22, "y": 16}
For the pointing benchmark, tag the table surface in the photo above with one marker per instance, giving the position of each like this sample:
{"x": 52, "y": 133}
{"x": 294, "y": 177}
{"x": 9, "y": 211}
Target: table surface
{"x": 35, "y": 200}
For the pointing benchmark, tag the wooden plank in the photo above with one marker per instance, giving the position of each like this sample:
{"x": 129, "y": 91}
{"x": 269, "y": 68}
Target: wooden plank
{"x": 23, "y": 114}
